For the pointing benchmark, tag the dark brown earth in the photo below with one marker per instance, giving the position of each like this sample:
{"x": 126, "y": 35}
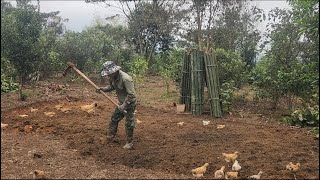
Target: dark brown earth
{"x": 71, "y": 145}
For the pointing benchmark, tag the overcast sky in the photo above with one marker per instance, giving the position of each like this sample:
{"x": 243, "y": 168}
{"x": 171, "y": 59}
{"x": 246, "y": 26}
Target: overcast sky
{"x": 82, "y": 14}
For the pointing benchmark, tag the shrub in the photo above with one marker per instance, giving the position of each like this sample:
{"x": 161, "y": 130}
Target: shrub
{"x": 7, "y": 85}
{"x": 169, "y": 66}
{"x": 231, "y": 67}
{"x": 138, "y": 68}
{"x": 305, "y": 117}
{"x": 226, "y": 95}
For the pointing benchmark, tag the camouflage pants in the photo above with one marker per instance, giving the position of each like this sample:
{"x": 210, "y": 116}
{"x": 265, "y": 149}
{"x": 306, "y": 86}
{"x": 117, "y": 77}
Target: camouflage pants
{"x": 117, "y": 116}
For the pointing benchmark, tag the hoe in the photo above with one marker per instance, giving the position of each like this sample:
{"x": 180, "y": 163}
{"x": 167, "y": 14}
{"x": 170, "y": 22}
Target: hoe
{"x": 72, "y": 66}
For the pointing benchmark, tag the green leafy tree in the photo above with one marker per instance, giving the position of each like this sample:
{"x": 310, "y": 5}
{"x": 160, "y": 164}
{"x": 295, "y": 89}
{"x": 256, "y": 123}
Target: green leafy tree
{"x": 20, "y": 30}
{"x": 52, "y": 29}
{"x": 138, "y": 69}
{"x": 231, "y": 67}
{"x": 169, "y": 66}
{"x": 286, "y": 70}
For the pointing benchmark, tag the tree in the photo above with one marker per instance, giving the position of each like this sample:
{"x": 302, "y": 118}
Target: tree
{"x": 20, "y": 30}
{"x": 150, "y": 23}
{"x": 285, "y": 71}
{"x": 169, "y": 66}
{"x": 52, "y": 30}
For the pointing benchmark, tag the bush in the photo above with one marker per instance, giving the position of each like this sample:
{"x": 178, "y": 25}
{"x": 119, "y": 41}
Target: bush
{"x": 231, "y": 67}
{"x": 305, "y": 117}
{"x": 169, "y": 66}
{"x": 226, "y": 95}
{"x": 137, "y": 69}
{"x": 7, "y": 85}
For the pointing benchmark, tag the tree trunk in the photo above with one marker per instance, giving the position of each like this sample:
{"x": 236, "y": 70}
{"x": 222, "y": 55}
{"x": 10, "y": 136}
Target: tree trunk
{"x": 167, "y": 85}
{"x": 199, "y": 27}
{"x": 275, "y": 101}
{"x": 20, "y": 89}
{"x": 290, "y": 101}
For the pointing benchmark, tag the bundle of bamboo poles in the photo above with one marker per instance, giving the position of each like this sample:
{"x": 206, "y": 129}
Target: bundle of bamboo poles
{"x": 199, "y": 67}
{"x": 186, "y": 82}
{"x": 211, "y": 65}
{"x": 197, "y": 82}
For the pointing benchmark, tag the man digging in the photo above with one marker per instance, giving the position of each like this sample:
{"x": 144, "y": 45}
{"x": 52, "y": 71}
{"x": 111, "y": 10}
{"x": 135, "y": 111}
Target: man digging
{"x": 123, "y": 84}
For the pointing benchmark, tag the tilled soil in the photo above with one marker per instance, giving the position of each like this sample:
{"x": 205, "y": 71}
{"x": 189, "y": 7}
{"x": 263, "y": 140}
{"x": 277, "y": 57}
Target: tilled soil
{"x": 72, "y": 145}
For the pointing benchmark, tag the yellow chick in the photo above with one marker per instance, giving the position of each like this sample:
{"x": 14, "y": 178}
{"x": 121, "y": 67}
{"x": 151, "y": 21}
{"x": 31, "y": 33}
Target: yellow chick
{"x": 236, "y": 166}
{"x": 198, "y": 172}
{"x": 33, "y": 110}
{"x": 257, "y": 176}
{"x": 89, "y": 108}
{"x": 205, "y": 123}
{"x": 230, "y": 157}
{"x": 219, "y": 174}
{"x": 293, "y": 167}
{"x": 50, "y": 114}
{"x": 232, "y": 175}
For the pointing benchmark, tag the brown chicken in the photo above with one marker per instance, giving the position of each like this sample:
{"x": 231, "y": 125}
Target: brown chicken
{"x": 293, "y": 167}
{"x": 230, "y": 157}
{"x": 198, "y": 172}
{"x": 232, "y": 175}
{"x": 89, "y": 108}
{"x": 219, "y": 174}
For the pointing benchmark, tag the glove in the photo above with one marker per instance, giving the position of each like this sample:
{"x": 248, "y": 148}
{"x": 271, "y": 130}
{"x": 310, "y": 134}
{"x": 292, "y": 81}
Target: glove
{"x": 122, "y": 107}
{"x": 98, "y": 90}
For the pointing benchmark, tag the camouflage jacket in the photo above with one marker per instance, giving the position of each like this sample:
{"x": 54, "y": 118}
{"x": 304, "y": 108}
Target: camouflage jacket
{"x": 124, "y": 87}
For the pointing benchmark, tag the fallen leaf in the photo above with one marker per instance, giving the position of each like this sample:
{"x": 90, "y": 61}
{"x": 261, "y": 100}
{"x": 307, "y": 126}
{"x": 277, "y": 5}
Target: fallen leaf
{"x": 23, "y": 115}
{"x": 138, "y": 121}
{"x": 220, "y": 126}
{"x": 50, "y": 114}
{"x": 58, "y": 107}
{"x": 33, "y": 110}
{"x": 3, "y": 125}
{"x": 65, "y": 110}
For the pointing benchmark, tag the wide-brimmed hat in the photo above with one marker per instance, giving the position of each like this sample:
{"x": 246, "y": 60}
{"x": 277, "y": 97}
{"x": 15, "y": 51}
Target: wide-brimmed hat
{"x": 109, "y": 67}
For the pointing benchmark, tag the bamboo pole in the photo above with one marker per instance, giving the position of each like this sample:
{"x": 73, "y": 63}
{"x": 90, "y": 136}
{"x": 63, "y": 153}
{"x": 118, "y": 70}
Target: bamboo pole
{"x": 188, "y": 88}
{"x": 193, "y": 91}
{"x": 216, "y": 98}
{"x": 209, "y": 83}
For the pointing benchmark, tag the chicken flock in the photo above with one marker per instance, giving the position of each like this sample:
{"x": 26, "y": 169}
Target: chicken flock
{"x": 235, "y": 169}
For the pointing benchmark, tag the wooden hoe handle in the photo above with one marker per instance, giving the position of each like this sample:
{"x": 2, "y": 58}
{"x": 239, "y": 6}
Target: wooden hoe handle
{"x": 89, "y": 81}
